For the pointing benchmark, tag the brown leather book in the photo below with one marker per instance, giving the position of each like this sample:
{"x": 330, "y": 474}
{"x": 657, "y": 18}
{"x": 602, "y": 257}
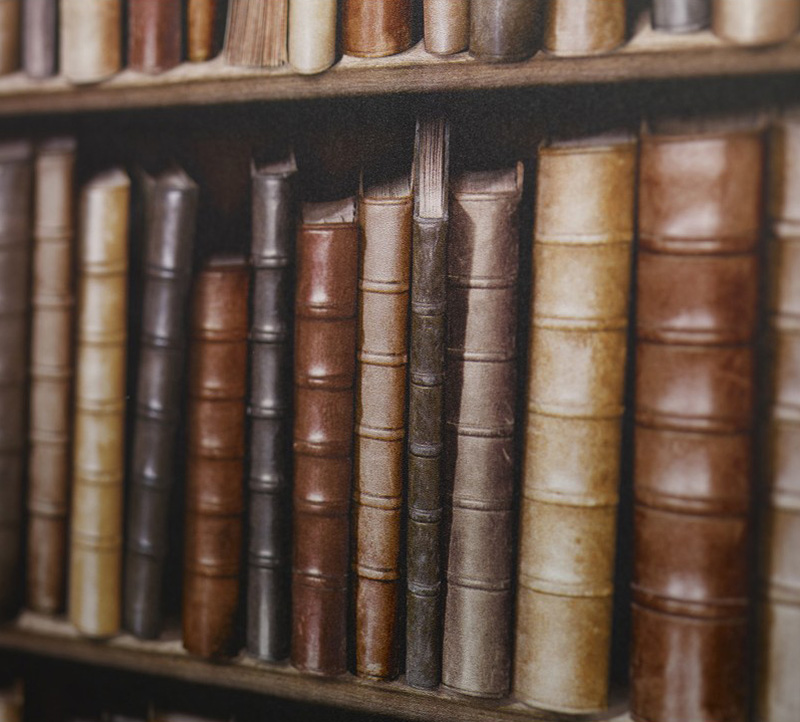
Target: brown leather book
{"x": 203, "y": 25}
{"x": 756, "y": 22}
{"x": 12, "y": 703}
{"x": 583, "y": 237}
{"x": 255, "y": 34}
{"x": 681, "y": 16}
{"x": 385, "y": 218}
{"x": 504, "y": 31}
{"x": 446, "y": 26}
{"x": 98, "y": 467}
{"x": 39, "y": 32}
{"x": 584, "y": 27}
{"x": 480, "y": 396}
{"x": 9, "y": 35}
{"x": 155, "y": 35}
{"x": 375, "y": 28}
{"x": 324, "y": 374}
{"x": 700, "y": 220}
{"x": 51, "y": 371}
{"x": 91, "y": 39}
{"x": 15, "y": 247}
{"x": 312, "y": 35}
{"x": 216, "y": 448}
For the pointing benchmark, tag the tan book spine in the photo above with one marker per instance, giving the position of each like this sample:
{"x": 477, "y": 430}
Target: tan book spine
{"x": 91, "y": 39}
{"x": 9, "y": 35}
{"x": 255, "y": 35}
{"x": 312, "y": 35}
{"x": 756, "y": 22}
{"x": 584, "y": 27}
{"x": 446, "y": 26}
{"x": 201, "y": 29}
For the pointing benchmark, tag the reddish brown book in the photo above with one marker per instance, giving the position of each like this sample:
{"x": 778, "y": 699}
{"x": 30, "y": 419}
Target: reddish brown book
{"x": 155, "y": 34}
{"x": 374, "y": 28}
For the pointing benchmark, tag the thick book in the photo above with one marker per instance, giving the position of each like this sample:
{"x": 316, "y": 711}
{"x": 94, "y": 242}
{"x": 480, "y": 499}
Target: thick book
{"x": 51, "y": 373}
{"x": 756, "y": 22}
{"x": 204, "y": 23}
{"x": 324, "y": 375}
{"x": 155, "y": 35}
{"x": 10, "y": 12}
{"x": 385, "y": 211}
{"x": 16, "y": 175}
{"x": 681, "y": 16}
{"x": 700, "y": 218}
{"x": 98, "y": 467}
{"x": 504, "y": 31}
{"x": 480, "y": 399}
{"x": 90, "y": 41}
{"x": 375, "y": 28}
{"x": 446, "y": 26}
{"x": 255, "y": 35}
{"x": 216, "y": 450}
{"x": 583, "y": 236}
{"x": 269, "y": 409}
{"x": 169, "y": 236}
{"x": 584, "y": 27}
{"x": 39, "y": 33}
{"x": 312, "y": 35}
{"x": 425, "y": 403}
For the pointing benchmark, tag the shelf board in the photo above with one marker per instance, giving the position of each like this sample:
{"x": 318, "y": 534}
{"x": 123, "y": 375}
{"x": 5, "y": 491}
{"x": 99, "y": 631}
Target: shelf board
{"x": 45, "y": 636}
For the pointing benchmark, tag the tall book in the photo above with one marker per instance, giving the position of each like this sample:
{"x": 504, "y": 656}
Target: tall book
{"x": 16, "y": 175}
{"x": 98, "y": 471}
{"x": 582, "y": 247}
{"x": 700, "y": 220}
{"x": 216, "y": 449}
{"x": 681, "y": 16}
{"x": 269, "y": 409}
{"x": 171, "y": 211}
{"x": 446, "y": 26}
{"x": 155, "y": 35}
{"x": 375, "y": 28}
{"x": 90, "y": 41}
{"x": 10, "y": 11}
{"x": 51, "y": 373}
{"x": 584, "y": 27}
{"x": 504, "y": 31}
{"x": 312, "y": 35}
{"x": 255, "y": 35}
{"x": 756, "y": 22}
{"x": 324, "y": 376}
{"x": 385, "y": 211}
{"x": 39, "y": 33}
{"x": 203, "y": 26}
{"x": 425, "y": 402}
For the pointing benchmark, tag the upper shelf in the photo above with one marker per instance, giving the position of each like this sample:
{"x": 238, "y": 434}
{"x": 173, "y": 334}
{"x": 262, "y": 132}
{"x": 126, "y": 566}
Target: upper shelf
{"x": 649, "y": 55}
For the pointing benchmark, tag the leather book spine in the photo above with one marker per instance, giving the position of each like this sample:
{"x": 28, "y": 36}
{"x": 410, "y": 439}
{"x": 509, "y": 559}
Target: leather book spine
{"x": 16, "y": 175}
{"x": 446, "y": 26}
{"x": 504, "y": 31}
{"x": 90, "y": 42}
{"x": 582, "y": 251}
{"x": 171, "y": 210}
{"x": 756, "y": 22}
{"x": 269, "y": 410}
{"x": 51, "y": 372}
{"x": 700, "y": 220}
{"x": 312, "y": 35}
{"x": 216, "y": 449}
{"x": 681, "y": 16}
{"x": 39, "y": 31}
{"x": 375, "y": 28}
{"x": 255, "y": 34}
{"x": 584, "y": 27}
{"x": 202, "y": 29}
{"x": 155, "y": 35}
{"x": 325, "y": 345}
{"x": 95, "y": 565}
{"x": 10, "y": 32}
{"x": 385, "y": 217}
{"x": 480, "y": 396}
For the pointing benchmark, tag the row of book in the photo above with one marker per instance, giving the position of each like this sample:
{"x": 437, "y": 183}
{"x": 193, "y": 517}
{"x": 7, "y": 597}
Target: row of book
{"x": 303, "y": 33}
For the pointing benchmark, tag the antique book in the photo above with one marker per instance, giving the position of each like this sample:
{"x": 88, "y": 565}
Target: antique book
{"x": 446, "y": 26}
{"x": 216, "y": 449}
{"x": 756, "y": 22}
{"x": 98, "y": 466}
{"x": 480, "y": 398}
{"x": 155, "y": 35}
{"x": 169, "y": 235}
{"x": 582, "y": 248}
{"x": 425, "y": 403}
{"x": 12, "y": 703}
{"x": 269, "y": 409}
{"x": 90, "y": 41}
{"x": 51, "y": 371}
{"x": 255, "y": 35}
{"x": 681, "y": 16}
{"x": 312, "y": 35}
{"x": 584, "y": 27}
{"x": 385, "y": 211}
{"x": 39, "y": 32}
{"x": 9, "y": 35}
{"x": 374, "y": 28}
{"x": 16, "y": 174}
{"x": 504, "y": 31}
{"x": 324, "y": 377}
{"x": 700, "y": 220}
{"x": 203, "y": 25}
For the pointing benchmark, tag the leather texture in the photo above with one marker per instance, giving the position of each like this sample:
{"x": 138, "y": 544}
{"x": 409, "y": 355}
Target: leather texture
{"x": 385, "y": 215}
{"x": 584, "y": 27}
{"x": 202, "y": 29}
{"x": 582, "y": 250}
{"x": 681, "y": 16}
{"x": 504, "y": 31}
{"x": 700, "y": 217}
{"x": 446, "y": 26}
{"x": 756, "y": 22}
{"x": 39, "y": 30}
{"x": 155, "y": 35}
{"x": 51, "y": 374}
{"x": 325, "y": 354}
{"x": 375, "y": 28}
{"x": 215, "y": 467}
{"x": 90, "y": 42}
{"x": 95, "y": 568}
{"x": 269, "y": 410}
{"x": 312, "y": 35}
{"x": 255, "y": 34}
{"x": 10, "y": 11}
{"x": 171, "y": 211}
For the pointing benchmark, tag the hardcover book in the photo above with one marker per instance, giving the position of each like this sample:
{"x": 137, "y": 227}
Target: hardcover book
{"x": 446, "y": 26}
{"x": 39, "y": 32}
{"x": 155, "y": 35}
{"x": 375, "y": 28}
{"x": 90, "y": 40}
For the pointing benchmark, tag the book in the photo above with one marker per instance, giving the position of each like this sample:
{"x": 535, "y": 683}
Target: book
{"x": 756, "y": 22}
{"x": 39, "y": 32}
{"x": 504, "y": 31}
{"x": 90, "y": 41}
{"x": 12, "y": 703}
{"x": 375, "y": 28}
{"x": 255, "y": 35}
{"x": 51, "y": 374}
{"x": 312, "y": 35}
{"x": 584, "y": 27}
{"x": 681, "y": 16}
{"x": 324, "y": 380}
{"x": 700, "y": 219}
{"x": 446, "y": 26}
{"x": 9, "y": 35}
{"x": 582, "y": 250}
{"x": 155, "y": 35}
{"x": 203, "y": 29}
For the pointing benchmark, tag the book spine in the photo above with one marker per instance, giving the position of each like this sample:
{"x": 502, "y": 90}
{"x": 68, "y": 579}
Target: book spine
{"x": 756, "y": 22}
{"x": 256, "y": 31}
{"x": 215, "y": 467}
{"x": 269, "y": 410}
{"x": 584, "y": 27}
{"x": 168, "y": 246}
{"x": 325, "y": 343}
{"x": 698, "y": 277}
{"x": 202, "y": 25}
{"x": 681, "y": 16}
{"x": 375, "y": 28}
{"x": 99, "y": 443}
{"x": 39, "y": 30}
{"x": 312, "y": 35}
{"x": 380, "y": 428}
{"x": 155, "y": 35}
{"x": 51, "y": 371}
{"x": 446, "y": 26}
{"x": 504, "y": 31}
{"x": 9, "y": 35}
{"x": 578, "y": 346}
{"x": 91, "y": 39}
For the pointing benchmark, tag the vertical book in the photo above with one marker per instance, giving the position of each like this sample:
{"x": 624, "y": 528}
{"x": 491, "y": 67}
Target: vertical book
{"x": 91, "y": 39}
{"x": 584, "y": 27}
{"x": 255, "y": 35}
{"x": 374, "y": 28}
{"x": 155, "y": 35}
{"x": 504, "y": 31}
{"x": 39, "y": 32}
{"x": 681, "y": 16}
{"x": 312, "y": 35}
{"x": 10, "y": 11}
{"x": 756, "y": 22}
{"x": 446, "y": 26}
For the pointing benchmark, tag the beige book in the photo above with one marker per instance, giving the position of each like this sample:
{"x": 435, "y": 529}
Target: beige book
{"x": 446, "y": 26}
{"x": 91, "y": 39}
{"x": 312, "y": 35}
{"x": 756, "y": 22}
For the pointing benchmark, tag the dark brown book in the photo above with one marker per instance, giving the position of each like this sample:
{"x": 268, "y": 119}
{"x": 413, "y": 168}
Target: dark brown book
{"x": 681, "y": 16}
{"x": 39, "y": 32}
{"x": 504, "y": 31}
{"x": 255, "y": 35}
{"x": 155, "y": 35}
{"x": 375, "y": 28}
